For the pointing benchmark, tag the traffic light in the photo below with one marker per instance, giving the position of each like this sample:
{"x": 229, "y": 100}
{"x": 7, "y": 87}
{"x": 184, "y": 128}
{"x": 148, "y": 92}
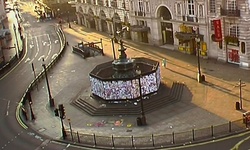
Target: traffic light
{"x": 56, "y": 111}
{"x": 62, "y": 111}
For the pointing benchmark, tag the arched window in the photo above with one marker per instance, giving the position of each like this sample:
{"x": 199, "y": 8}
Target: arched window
{"x": 201, "y": 11}
{"x": 178, "y": 9}
{"x": 243, "y": 47}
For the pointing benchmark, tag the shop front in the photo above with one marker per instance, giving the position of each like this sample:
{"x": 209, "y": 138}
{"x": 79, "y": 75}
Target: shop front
{"x": 232, "y": 46}
{"x": 187, "y": 43}
{"x": 141, "y": 33}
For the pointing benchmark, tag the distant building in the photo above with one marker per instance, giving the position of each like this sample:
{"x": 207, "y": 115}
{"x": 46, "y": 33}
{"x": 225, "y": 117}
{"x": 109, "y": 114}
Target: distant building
{"x": 4, "y": 31}
{"x": 103, "y": 15}
{"x": 57, "y": 8}
{"x": 221, "y": 25}
{"x": 235, "y": 20}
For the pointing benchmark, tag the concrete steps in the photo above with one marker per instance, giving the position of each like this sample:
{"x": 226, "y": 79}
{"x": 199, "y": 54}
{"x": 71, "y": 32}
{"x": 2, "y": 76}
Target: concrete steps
{"x": 93, "y": 108}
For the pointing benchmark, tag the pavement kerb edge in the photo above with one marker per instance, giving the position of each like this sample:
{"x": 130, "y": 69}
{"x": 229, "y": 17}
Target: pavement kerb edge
{"x": 20, "y": 105}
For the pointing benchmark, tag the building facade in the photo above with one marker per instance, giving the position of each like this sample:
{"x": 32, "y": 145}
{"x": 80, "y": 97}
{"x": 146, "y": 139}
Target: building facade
{"x": 4, "y": 31}
{"x": 176, "y": 24}
{"x": 235, "y": 19}
{"x": 103, "y": 15}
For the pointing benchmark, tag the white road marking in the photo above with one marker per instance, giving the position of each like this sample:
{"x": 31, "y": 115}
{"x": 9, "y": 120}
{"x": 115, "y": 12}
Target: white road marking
{"x": 37, "y": 47}
{"x": 8, "y": 106}
{"x": 49, "y": 46}
{"x": 31, "y": 46}
{"x": 41, "y": 57}
{"x": 27, "y": 60}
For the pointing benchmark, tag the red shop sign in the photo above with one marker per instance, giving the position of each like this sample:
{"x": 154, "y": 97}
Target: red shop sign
{"x": 217, "y": 30}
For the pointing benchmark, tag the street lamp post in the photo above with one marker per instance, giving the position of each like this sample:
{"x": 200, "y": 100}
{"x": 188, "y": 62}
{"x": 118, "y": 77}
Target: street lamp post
{"x": 28, "y": 96}
{"x": 114, "y": 31}
{"x": 70, "y": 130}
{"x": 200, "y": 77}
{"x": 51, "y": 100}
{"x": 34, "y": 72}
{"x": 143, "y": 117}
{"x": 14, "y": 28}
{"x": 113, "y": 46}
{"x": 69, "y": 20}
{"x": 31, "y": 112}
{"x": 240, "y": 85}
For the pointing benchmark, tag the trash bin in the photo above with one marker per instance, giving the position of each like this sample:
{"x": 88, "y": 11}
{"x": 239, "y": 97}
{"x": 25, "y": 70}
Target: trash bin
{"x": 203, "y": 78}
{"x": 237, "y": 105}
{"x": 138, "y": 120}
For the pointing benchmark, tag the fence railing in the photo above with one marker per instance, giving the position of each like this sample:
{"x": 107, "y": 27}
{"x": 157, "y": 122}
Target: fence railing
{"x": 158, "y": 140}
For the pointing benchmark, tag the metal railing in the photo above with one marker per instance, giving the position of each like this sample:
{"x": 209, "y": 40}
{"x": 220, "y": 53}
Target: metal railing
{"x": 230, "y": 12}
{"x": 158, "y": 140}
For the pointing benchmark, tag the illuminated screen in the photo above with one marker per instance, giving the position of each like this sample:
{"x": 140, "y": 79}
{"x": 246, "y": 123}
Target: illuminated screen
{"x": 126, "y": 89}
{"x": 158, "y": 77}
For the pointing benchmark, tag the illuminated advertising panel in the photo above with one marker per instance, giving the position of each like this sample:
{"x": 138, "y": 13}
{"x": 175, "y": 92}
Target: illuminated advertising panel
{"x": 125, "y": 89}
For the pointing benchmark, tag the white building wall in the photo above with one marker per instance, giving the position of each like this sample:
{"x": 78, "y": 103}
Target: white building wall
{"x": 204, "y": 23}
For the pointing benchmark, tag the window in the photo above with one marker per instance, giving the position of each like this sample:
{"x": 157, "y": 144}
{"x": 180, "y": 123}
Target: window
{"x": 132, "y": 5}
{"x": 212, "y": 6}
{"x": 140, "y": 3}
{"x": 141, "y": 23}
{"x": 212, "y": 25}
{"x": 201, "y": 11}
{"x": 178, "y": 9}
{"x": 190, "y": 7}
{"x": 231, "y": 4}
{"x": 234, "y": 30}
{"x": 243, "y": 47}
{"x": 147, "y": 6}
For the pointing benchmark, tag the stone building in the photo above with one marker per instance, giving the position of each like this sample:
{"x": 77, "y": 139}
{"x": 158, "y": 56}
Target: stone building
{"x": 235, "y": 19}
{"x": 4, "y": 31}
{"x": 176, "y": 24}
{"x": 103, "y": 15}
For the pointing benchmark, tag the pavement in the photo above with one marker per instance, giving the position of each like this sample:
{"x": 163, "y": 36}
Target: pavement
{"x": 202, "y": 104}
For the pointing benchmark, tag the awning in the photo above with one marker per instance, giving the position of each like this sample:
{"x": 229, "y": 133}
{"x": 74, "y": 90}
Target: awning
{"x": 187, "y": 36}
{"x": 4, "y": 32}
{"x": 139, "y": 28}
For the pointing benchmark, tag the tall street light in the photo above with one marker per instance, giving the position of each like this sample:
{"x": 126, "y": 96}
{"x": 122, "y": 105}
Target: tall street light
{"x": 113, "y": 46}
{"x": 240, "y": 85}
{"x": 69, "y": 20}
{"x": 143, "y": 117}
{"x": 200, "y": 77}
{"x": 14, "y": 28}
{"x": 51, "y": 100}
{"x": 30, "y": 104}
{"x": 114, "y": 31}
